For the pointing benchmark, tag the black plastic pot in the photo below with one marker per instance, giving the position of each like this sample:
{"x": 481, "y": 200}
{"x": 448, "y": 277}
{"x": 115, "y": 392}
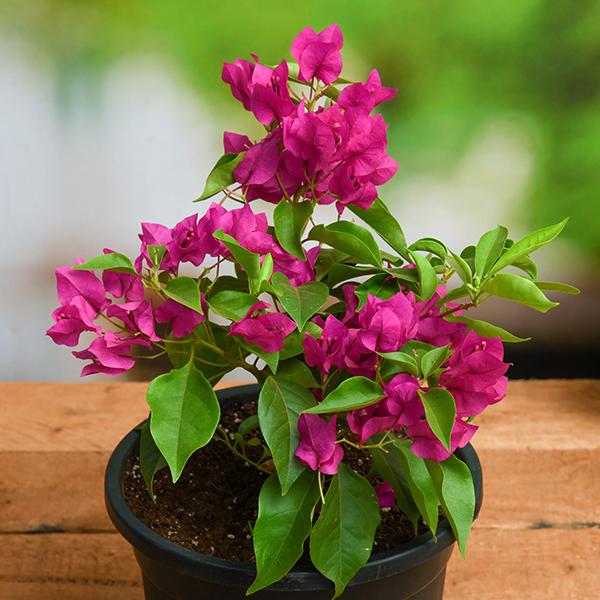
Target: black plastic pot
{"x": 415, "y": 570}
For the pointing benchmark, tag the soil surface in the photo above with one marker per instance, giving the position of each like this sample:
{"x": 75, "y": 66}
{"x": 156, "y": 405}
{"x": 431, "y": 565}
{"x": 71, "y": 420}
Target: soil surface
{"x": 213, "y": 506}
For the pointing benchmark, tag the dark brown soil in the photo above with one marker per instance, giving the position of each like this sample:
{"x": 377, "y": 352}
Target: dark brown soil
{"x": 213, "y": 506}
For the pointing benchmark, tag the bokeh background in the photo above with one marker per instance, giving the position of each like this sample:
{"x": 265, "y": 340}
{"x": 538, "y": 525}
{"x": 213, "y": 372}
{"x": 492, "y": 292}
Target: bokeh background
{"x": 111, "y": 113}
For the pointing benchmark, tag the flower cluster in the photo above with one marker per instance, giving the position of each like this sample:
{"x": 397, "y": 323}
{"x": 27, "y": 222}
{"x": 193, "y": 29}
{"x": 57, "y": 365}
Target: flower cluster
{"x": 473, "y": 373}
{"x": 328, "y": 150}
{"x": 352, "y": 346}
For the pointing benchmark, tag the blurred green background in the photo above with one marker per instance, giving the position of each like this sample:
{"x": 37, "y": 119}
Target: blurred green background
{"x": 497, "y": 115}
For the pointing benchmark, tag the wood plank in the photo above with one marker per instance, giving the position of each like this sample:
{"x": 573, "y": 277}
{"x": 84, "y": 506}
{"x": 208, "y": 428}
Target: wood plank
{"x": 554, "y": 414}
{"x": 94, "y": 416}
{"x": 524, "y": 484}
{"x": 63, "y": 417}
{"x": 524, "y": 487}
{"x": 543, "y": 564}
{"x": 524, "y": 564}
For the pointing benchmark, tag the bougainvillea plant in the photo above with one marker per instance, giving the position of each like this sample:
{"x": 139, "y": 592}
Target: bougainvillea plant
{"x": 353, "y": 346}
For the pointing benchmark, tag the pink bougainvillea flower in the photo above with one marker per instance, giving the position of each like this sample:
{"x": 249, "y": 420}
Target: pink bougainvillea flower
{"x": 366, "y": 96}
{"x": 369, "y": 421}
{"x": 433, "y": 328}
{"x": 238, "y": 75}
{"x": 71, "y": 320}
{"x": 136, "y": 317}
{"x": 122, "y": 285}
{"x": 297, "y": 271}
{"x": 260, "y": 162}
{"x": 329, "y": 349}
{"x": 426, "y": 445}
{"x": 270, "y": 100}
{"x": 359, "y": 360}
{"x": 186, "y": 245}
{"x": 214, "y": 219}
{"x": 387, "y": 324}
{"x": 365, "y": 149}
{"x": 350, "y": 317}
{"x": 71, "y": 283}
{"x": 359, "y": 191}
{"x": 400, "y": 407}
{"x": 110, "y": 354}
{"x": 234, "y": 143}
{"x": 267, "y": 330}
{"x": 287, "y": 179}
{"x": 475, "y": 374}
{"x": 182, "y": 319}
{"x": 385, "y": 495}
{"x": 318, "y": 54}
{"x": 309, "y": 138}
{"x": 403, "y": 400}
{"x": 250, "y": 230}
{"x": 317, "y": 448}
{"x": 153, "y": 234}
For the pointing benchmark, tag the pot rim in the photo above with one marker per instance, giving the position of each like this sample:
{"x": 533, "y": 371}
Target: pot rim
{"x": 239, "y": 574}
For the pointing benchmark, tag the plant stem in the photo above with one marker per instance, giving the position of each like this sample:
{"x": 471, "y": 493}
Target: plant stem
{"x": 224, "y": 438}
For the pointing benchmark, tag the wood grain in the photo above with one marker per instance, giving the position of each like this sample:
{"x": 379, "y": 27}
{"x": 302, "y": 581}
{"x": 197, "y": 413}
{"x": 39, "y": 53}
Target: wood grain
{"x": 538, "y": 535}
{"x": 541, "y": 564}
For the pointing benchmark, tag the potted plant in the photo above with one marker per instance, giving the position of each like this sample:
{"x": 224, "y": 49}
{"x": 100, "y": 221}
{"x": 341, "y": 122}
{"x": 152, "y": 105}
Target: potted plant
{"x": 369, "y": 373}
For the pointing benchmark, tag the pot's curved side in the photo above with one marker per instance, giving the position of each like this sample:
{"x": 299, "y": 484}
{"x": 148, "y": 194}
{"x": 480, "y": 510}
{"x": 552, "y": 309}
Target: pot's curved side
{"x": 171, "y": 572}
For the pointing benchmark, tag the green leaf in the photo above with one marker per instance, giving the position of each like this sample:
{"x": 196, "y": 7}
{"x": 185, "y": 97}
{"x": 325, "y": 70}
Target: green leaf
{"x": 555, "y": 286}
{"x": 156, "y": 254}
{"x": 527, "y": 245}
{"x": 440, "y": 412}
{"x": 526, "y": 265}
{"x": 296, "y": 371}
{"x": 301, "y": 302}
{"x": 430, "y": 245}
{"x": 406, "y": 361}
{"x": 454, "y": 485}
{"x": 342, "y": 538}
{"x": 349, "y": 238}
{"x": 248, "y": 260}
{"x": 221, "y": 175}
{"x": 265, "y": 272}
{"x": 434, "y": 359}
{"x": 353, "y": 393}
{"x": 284, "y": 523}
{"x": 381, "y": 220}
{"x": 327, "y": 259}
{"x": 185, "y": 414}
{"x": 232, "y": 305}
{"x": 387, "y": 465}
{"x": 185, "y": 291}
{"x": 416, "y": 474}
{"x": 270, "y": 358}
{"x": 459, "y": 264}
{"x": 248, "y": 424}
{"x": 488, "y": 251}
{"x": 487, "y": 330}
{"x": 342, "y": 272}
{"x": 290, "y": 221}
{"x": 279, "y": 406}
{"x": 113, "y": 261}
{"x": 429, "y": 280}
{"x": 520, "y": 289}
{"x": 456, "y": 293}
{"x": 151, "y": 460}
{"x": 382, "y": 286}
{"x": 229, "y": 283}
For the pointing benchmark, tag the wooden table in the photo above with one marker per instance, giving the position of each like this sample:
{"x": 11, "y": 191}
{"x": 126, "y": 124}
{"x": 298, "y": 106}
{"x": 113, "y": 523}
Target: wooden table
{"x": 538, "y": 535}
